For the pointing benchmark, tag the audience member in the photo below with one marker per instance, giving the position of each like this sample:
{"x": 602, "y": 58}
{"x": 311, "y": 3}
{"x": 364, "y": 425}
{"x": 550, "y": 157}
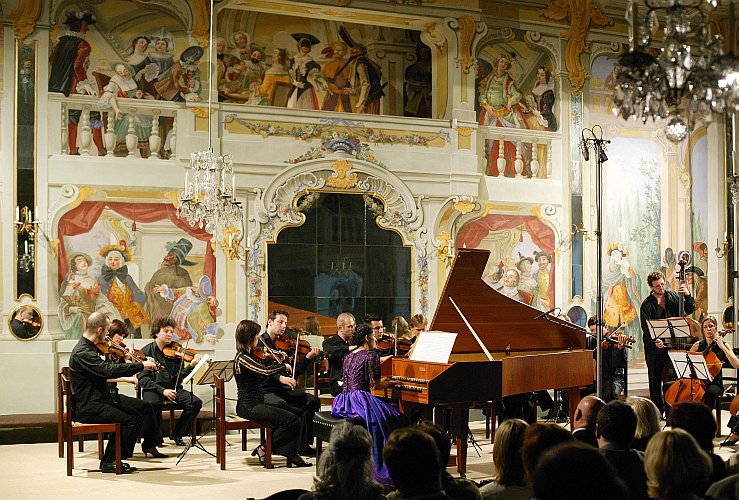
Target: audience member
{"x": 726, "y": 489}
{"x": 676, "y": 467}
{"x": 583, "y": 428}
{"x": 510, "y": 480}
{"x": 413, "y": 462}
{"x": 576, "y": 470}
{"x": 697, "y": 419}
{"x": 345, "y": 469}
{"x": 539, "y": 438}
{"x": 647, "y": 421}
{"x": 615, "y": 430}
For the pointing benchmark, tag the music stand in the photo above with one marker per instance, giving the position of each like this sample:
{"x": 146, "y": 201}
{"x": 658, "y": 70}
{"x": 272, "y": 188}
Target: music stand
{"x": 669, "y": 330}
{"x": 690, "y": 365}
{"x": 199, "y": 371}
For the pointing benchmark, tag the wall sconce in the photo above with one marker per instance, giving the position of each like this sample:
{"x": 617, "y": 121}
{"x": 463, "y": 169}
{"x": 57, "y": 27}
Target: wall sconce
{"x": 24, "y": 221}
{"x": 26, "y": 227}
{"x": 580, "y": 228}
{"x": 231, "y": 244}
{"x": 722, "y": 249}
{"x": 444, "y": 251}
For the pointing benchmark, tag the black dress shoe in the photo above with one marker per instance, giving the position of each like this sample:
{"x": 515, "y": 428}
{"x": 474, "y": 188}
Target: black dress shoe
{"x": 297, "y": 461}
{"x": 177, "y": 440}
{"x": 109, "y": 468}
{"x": 308, "y": 452}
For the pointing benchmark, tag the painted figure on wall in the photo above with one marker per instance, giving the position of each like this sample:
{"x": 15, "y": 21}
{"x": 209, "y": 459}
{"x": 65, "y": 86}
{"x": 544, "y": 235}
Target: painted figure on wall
{"x": 500, "y": 100}
{"x": 695, "y": 279}
{"x": 163, "y": 52}
{"x": 194, "y": 310}
{"x": 621, "y": 298}
{"x": 365, "y": 76}
{"x": 305, "y": 74}
{"x": 182, "y": 81}
{"x": 277, "y": 73}
{"x": 254, "y": 68}
{"x": 527, "y": 283}
{"x": 509, "y": 287}
{"x": 68, "y": 73}
{"x": 171, "y": 274}
{"x": 669, "y": 265}
{"x": 541, "y": 101}
{"x": 120, "y": 289}
{"x": 242, "y": 50}
{"x": 418, "y": 85}
{"x": 80, "y": 296}
{"x": 540, "y": 298}
{"x": 336, "y": 72}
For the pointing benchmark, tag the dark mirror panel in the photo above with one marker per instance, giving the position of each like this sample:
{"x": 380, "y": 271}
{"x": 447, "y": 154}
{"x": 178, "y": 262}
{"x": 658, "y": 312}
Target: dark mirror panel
{"x": 340, "y": 260}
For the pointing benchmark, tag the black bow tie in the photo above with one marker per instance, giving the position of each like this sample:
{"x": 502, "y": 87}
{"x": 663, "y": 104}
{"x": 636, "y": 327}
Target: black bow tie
{"x": 108, "y": 274}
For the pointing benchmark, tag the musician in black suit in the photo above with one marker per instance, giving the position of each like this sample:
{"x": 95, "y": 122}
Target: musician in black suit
{"x": 93, "y": 402}
{"x": 337, "y": 347}
{"x": 660, "y": 304}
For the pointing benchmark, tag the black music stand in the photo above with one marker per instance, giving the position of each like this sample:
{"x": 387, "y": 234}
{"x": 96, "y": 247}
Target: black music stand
{"x": 199, "y": 371}
{"x": 670, "y": 330}
{"x": 690, "y": 365}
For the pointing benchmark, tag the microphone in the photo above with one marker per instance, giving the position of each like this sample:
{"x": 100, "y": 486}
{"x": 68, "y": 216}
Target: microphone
{"x": 539, "y": 316}
{"x": 585, "y": 150}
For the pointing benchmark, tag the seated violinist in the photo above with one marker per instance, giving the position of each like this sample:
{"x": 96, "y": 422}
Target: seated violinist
{"x": 150, "y": 431}
{"x": 279, "y": 387}
{"x": 251, "y": 367}
{"x": 614, "y": 361}
{"x": 166, "y": 384}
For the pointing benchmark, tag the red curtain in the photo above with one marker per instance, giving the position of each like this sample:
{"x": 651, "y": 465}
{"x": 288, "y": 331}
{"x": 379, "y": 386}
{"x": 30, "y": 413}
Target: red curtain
{"x": 542, "y": 236}
{"x": 81, "y": 219}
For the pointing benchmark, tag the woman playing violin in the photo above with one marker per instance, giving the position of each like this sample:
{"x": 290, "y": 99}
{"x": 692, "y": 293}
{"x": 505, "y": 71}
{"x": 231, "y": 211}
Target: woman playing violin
{"x": 250, "y": 369}
{"x": 166, "y": 384}
{"x": 150, "y": 432}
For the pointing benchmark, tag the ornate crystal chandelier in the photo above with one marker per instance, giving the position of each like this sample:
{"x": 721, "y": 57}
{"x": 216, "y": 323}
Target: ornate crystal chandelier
{"x": 683, "y": 80}
{"x": 209, "y": 200}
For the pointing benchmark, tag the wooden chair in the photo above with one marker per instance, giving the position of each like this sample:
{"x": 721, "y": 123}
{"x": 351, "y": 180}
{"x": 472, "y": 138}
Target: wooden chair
{"x": 68, "y": 428}
{"x": 226, "y": 423}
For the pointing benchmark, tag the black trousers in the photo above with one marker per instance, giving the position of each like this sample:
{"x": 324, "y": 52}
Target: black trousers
{"x": 130, "y": 421}
{"x": 657, "y": 360}
{"x": 300, "y": 404}
{"x": 150, "y": 429}
{"x": 285, "y": 425}
{"x": 186, "y": 401}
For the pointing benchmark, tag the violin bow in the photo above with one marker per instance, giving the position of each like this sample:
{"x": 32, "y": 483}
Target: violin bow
{"x": 179, "y": 372}
{"x": 295, "y": 358}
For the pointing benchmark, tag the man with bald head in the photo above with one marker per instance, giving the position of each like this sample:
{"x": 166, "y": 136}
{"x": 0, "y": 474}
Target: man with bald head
{"x": 586, "y": 415}
{"x": 337, "y": 347}
{"x": 93, "y": 403}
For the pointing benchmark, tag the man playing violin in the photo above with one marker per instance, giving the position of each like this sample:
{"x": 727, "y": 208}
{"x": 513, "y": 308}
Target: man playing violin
{"x": 150, "y": 431}
{"x": 166, "y": 384}
{"x": 660, "y": 304}
{"x": 93, "y": 402}
{"x": 337, "y": 347}
{"x": 614, "y": 361}
{"x": 279, "y": 388}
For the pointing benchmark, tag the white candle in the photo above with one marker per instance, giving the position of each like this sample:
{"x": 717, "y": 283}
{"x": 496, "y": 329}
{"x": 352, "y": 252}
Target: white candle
{"x": 233, "y": 186}
{"x": 36, "y": 212}
{"x": 17, "y": 213}
{"x": 248, "y": 241}
{"x": 230, "y": 239}
{"x": 187, "y": 184}
{"x": 26, "y": 243}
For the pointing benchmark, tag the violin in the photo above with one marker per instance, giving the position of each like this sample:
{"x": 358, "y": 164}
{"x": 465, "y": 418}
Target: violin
{"x": 119, "y": 350}
{"x": 175, "y": 350}
{"x": 30, "y": 322}
{"x": 262, "y": 353}
{"x": 288, "y": 344}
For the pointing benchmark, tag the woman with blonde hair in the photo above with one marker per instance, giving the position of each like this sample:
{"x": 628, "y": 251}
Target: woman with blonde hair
{"x": 510, "y": 480}
{"x": 647, "y": 421}
{"x": 400, "y": 328}
{"x": 676, "y": 467}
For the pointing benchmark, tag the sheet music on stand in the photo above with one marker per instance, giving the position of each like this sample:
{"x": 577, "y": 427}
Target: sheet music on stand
{"x": 683, "y": 361}
{"x": 224, "y": 370}
{"x": 669, "y": 330}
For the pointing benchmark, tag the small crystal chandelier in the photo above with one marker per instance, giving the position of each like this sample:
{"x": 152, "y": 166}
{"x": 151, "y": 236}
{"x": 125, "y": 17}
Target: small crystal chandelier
{"x": 687, "y": 79}
{"x": 208, "y": 200}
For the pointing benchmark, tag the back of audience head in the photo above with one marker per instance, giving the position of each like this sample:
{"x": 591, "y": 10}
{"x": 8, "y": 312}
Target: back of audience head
{"x": 675, "y": 465}
{"x": 576, "y": 470}
{"x": 616, "y": 424}
{"x": 539, "y": 438}
{"x": 695, "y": 418}
{"x": 412, "y": 459}
{"x": 441, "y": 438}
{"x": 509, "y": 468}
{"x": 647, "y": 417}
{"x": 345, "y": 469}
{"x": 587, "y": 412}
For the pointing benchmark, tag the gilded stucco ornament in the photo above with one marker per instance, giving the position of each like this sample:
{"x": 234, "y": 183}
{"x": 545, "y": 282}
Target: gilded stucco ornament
{"x": 468, "y": 28}
{"x": 24, "y": 17}
{"x": 339, "y": 179}
{"x": 465, "y": 206}
{"x": 580, "y": 13}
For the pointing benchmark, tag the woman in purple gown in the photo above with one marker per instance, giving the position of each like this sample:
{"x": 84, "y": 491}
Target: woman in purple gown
{"x": 361, "y": 372}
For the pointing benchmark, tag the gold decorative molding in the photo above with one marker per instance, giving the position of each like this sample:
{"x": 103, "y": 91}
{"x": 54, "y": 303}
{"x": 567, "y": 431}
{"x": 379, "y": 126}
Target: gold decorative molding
{"x": 464, "y": 207}
{"x": 443, "y": 249}
{"x": 172, "y": 196}
{"x": 53, "y": 246}
{"x": 202, "y": 112}
{"x": 24, "y": 17}
{"x": 579, "y": 13}
{"x": 339, "y": 178}
{"x": 436, "y": 37}
{"x": 201, "y": 22}
{"x": 467, "y": 27}
{"x": 84, "y": 193}
{"x": 464, "y": 131}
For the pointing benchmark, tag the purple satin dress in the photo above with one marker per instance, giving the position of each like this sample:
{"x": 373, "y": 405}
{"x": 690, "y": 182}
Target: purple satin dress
{"x": 355, "y": 401}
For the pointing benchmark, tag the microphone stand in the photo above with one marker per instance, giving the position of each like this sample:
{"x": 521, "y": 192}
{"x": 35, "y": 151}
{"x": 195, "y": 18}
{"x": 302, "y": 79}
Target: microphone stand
{"x": 597, "y": 145}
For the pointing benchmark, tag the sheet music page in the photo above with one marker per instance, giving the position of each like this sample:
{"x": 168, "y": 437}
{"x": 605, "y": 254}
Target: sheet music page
{"x": 435, "y": 347}
{"x": 198, "y": 370}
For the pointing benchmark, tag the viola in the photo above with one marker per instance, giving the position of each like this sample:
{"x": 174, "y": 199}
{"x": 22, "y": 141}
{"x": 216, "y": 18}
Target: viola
{"x": 287, "y": 343}
{"x": 175, "y": 350}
